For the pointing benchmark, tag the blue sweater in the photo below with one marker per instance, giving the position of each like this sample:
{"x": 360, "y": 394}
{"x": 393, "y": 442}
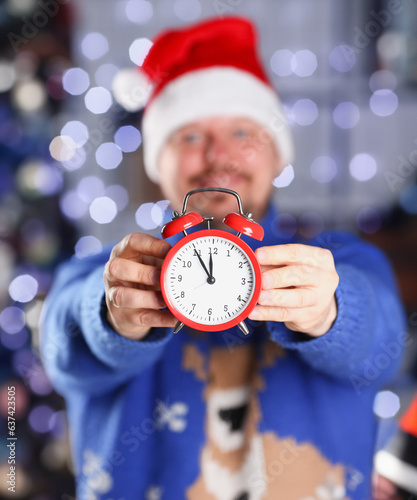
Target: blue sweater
{"x": 219, "y": 415}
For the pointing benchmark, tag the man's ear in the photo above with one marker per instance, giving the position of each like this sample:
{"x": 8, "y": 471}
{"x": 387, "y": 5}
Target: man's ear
{"x": 193, "y": 359}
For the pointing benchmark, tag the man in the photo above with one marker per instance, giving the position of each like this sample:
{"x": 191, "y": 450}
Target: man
{"x": 285, "y": 412}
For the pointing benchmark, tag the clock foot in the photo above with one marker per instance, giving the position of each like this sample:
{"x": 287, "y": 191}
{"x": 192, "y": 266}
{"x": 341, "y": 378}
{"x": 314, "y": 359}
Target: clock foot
{"x": 243, "y": 327}
{"x": 178, "y": 326}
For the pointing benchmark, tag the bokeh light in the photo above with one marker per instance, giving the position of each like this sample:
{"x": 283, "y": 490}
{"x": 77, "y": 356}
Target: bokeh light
{"x": 284, "y": 226}
{"x": 76, "y": 161}
{"x": 29, "y": 96}
{"x": 363, "y": 167}
{"x": 72, "y": 206}
{"x": 62, "y": 148}
{"x": 391, "y": 45}
{"x": 149, "y": 216}
{"x": 139, "y": 49}
{"x": 304, "y": 63}
{"x": 14, "y": 341}
{"x": 346, "y": 115}
{"x": 386, "y": 404}
{"x": 285, "y": 178}
{"x": 98, "y": 100}
{"x": 39, "y": 418}
{"x": 310, "y": 224}
{"x": 368, "y": 220}
{"x": 39, "y": 382}
{"x": 23, "y": 288}
{"x": 12, "y": 319}
{"x": 89, "y": 188}
{"x": 342, "y": 58}
{"x": 281, "y": 62}
{"x": 103, "y": 210}
{"x": 20, "y": 7}
{"x": 109, "y": 155}
{"x": 139, "y": 11}
{"x": 382, "y": 79}
{"x": 7, "y": 75}
{"x": 77, "y": 130}
{"x": 87, "y": 245}
{"x": 323, "y": 169}
{"x": 119, "y": 195}
{"x": 304, "y": 112}
{"x": 36, "y": 178}
{"x": 383, "y": 102}
{"x": 94, "y": 46}
{"x": 128, "y": 138}
{"x": 75, "y": 81}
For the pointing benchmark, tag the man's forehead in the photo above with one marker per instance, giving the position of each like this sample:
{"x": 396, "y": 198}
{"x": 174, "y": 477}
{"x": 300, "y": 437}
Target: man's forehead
{"x": 218, "y": 121}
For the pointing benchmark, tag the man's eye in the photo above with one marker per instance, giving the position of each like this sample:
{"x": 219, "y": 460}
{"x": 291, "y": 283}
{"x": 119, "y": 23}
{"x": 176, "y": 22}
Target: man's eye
{"x": 240, "y": 132}
{"x": 192, "y": 137}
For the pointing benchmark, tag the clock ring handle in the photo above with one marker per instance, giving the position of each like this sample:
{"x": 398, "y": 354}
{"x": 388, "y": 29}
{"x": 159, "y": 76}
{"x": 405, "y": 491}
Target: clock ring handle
{"x": 219, "y": 190}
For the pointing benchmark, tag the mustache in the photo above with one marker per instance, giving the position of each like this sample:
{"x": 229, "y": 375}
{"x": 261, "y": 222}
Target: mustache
{"x": 220, "y": 177}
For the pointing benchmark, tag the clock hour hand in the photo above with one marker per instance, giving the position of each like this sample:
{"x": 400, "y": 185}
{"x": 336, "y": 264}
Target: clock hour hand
{"x": 210, "y": 279}
{"x": 202, "y": 263}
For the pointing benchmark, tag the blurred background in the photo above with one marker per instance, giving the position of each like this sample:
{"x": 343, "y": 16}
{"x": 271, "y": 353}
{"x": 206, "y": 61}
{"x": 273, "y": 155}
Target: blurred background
{"x": 71, "y": 164}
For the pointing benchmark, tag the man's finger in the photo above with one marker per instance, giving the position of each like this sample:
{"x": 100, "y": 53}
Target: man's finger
{"x": 119, "y": 269}
{"x": 135, "y": 244}
{"x": 155, "y": 319}
{"x": 292, "y": 275}
{"x": 132, "y": 298}
{"x": 294, "y": 297}
{"x": 280, "y": 314}
{"x": 294, "y": 253}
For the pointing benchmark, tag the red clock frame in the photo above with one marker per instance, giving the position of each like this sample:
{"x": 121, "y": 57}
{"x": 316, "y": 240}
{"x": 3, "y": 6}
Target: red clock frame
{"x": 255, "y": 264}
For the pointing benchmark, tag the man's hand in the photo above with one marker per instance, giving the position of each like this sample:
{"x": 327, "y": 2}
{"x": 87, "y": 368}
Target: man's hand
{"x": 131, "y": 277}
{"x": 383, "y": 488}
{"x": 298, "y": 285}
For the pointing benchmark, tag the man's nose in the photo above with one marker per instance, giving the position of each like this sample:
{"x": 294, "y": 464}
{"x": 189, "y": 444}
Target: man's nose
{"x": 217, "y": 151}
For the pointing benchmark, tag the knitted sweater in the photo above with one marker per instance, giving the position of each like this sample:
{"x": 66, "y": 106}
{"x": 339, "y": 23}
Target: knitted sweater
{"x": 219, "y": 415}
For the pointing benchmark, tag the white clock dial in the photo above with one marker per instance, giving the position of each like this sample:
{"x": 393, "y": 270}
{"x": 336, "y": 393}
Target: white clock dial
{"x": 205, "y": 297}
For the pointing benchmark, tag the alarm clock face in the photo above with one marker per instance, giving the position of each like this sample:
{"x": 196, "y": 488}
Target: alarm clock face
{"x": 211, "y": 280}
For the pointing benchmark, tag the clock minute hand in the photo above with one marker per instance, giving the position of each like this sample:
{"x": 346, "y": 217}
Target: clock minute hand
{"x": 211, "y": 266}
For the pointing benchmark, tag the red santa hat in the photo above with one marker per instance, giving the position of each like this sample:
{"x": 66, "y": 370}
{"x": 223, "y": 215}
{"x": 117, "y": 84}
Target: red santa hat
{"x": 206, "y": 70}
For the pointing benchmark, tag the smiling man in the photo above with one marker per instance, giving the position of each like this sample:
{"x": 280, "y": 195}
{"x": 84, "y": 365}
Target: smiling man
{"x": 285, "y": 412}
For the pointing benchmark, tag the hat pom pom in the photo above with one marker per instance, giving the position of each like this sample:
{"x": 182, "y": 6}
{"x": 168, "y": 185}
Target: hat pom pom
{"x": 131, "y": 89}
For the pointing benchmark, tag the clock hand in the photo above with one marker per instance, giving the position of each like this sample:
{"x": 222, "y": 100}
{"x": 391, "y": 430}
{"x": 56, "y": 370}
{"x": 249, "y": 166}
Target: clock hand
{"x": 202, "y": 263}
{"x": 211, "y": 266}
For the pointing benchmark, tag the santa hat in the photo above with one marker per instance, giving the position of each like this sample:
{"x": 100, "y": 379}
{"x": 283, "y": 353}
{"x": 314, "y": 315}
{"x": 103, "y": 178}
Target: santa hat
{"x": 206, "y": 70}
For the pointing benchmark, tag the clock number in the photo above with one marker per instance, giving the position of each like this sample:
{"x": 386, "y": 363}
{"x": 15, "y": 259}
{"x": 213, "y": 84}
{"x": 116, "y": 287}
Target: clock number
{"x": 226, "y": 308}
{"x": 240, "y": 264}
{"x": 210, "y": 311}
{"x": 192, "y": 307}
{"x": 180, "y": 277}
{"x": 215, "y": 250}
{"x": 228, "y": 253}
{"x": 197, "y": 252}
{"x": 186, "y": 264}
{"x": 239, "y": 298}
{"x": 182, "y": 295}
{"x": 243, "y": 282}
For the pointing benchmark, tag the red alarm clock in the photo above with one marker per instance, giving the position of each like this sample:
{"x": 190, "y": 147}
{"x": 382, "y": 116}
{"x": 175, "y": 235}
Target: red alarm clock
{"x": 211, "y": 279}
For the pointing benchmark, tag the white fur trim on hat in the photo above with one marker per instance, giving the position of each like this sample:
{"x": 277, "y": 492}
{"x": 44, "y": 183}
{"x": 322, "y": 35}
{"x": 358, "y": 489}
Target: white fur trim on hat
{"x": 215, "y": 91}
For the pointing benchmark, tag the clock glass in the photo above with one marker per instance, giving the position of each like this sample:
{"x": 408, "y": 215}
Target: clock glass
{"x": 211, "y": 280}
